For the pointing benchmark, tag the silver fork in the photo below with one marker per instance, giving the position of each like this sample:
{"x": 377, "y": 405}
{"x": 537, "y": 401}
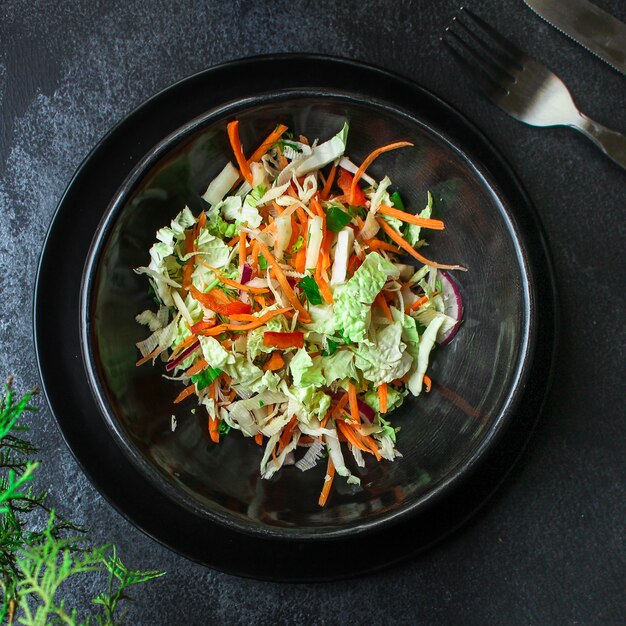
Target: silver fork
{"x": 521, "y": 86}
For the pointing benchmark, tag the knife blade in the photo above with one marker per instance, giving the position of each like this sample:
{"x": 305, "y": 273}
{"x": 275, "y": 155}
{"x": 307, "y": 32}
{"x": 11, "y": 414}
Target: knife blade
{"x": 590, "y": 26}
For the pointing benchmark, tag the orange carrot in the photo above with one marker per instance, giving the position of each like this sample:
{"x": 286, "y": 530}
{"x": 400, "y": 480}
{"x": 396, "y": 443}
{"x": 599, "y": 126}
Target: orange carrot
{"x": 418, "y": 303}
{"x": 411, "y": 219}
{"x": 352, "y": 436}
{"x": 299, "y": 261}
{"x": 198, "y": 367}
{"x": 182, "y": 345}
{"x": 186, "y": 392}
{"x": 376, "y": 244}
{"x": 282, "y": 279}
{"x": 255, "y": 255}
{"x": 242, "y": 248}
{"x": 403, "y": 243}
{"x": 368, "y": 161}
{"x": 218, "y": 330}
{"x": 354, "y": 405}
{"x": 428, "y": 383}
{"x": 328, "y": 481}
{"x": 325, "y": 291}
{"x": 329, "y": 182}
{"x": 153, "y": 355}
{"x": 235, "y": 142}
{"x": 341, "y": 404}
{"x": 382, "y": 397}
{"x": 275, "y": 362}
{"x": 287, "y": 432}
{"x": 233, "y": 283}
{"x": 214, "y": 431}
{"x": 269, "y": 141}
{"x": 233, "y": 241}
{"x": 382, "y": 303}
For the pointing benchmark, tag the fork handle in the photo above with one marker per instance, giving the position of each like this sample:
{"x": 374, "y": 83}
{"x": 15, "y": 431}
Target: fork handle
{"x": 612, "y": 143}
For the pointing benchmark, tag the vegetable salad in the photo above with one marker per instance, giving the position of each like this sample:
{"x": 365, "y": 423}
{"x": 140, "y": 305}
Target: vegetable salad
{"x": 287, "y": 310}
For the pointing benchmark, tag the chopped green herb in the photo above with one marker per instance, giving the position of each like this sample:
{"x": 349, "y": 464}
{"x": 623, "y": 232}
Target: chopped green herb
{"x": 357, "y": 210}
{"x": 223, "y": 428}
{"x": 332, "y": 348}
{"x": 396, "y": 200}
{"x": 298, "y": 244}
{"x": 205, "y": 377}
{"x": 336, "y": 219}
{"x": 262, "y": 262}
{"x": 311, "y": 290}
{"x": 261, "y": 403}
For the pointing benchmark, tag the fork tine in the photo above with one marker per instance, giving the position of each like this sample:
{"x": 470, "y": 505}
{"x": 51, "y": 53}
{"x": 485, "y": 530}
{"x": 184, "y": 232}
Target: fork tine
{"x": 501, "y": 64}
{"x": 514, "y": 53}
{"x": 483, "y": 70}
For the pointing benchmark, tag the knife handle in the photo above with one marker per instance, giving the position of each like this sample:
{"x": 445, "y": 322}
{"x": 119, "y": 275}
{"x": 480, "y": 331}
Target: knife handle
{"x": 612, "y": 143}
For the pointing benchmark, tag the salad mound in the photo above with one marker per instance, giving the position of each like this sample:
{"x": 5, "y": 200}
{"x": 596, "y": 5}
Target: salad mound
{"x": 287, "y": 310}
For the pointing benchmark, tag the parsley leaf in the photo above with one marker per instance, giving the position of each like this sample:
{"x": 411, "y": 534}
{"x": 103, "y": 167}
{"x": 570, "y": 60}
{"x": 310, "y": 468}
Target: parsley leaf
{"x": 223, "y": 428}
{"x": 262, "y": 262}
{"x": 311, "y": 290}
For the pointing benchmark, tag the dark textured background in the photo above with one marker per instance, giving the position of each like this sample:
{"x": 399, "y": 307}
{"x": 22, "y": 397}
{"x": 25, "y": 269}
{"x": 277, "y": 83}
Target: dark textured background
{"x": 550, "y": 547}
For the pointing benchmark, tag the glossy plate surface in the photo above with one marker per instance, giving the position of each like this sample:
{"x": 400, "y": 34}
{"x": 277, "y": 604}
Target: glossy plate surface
{"x": 458, "y": 442}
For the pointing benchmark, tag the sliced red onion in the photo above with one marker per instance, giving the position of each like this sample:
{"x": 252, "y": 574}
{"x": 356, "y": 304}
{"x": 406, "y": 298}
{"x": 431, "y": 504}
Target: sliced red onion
{"x": 246, "y": 274}
{"x": 182, "y": 356}
{"x": 453, "y": 306}
{"x": 366, "y": 410}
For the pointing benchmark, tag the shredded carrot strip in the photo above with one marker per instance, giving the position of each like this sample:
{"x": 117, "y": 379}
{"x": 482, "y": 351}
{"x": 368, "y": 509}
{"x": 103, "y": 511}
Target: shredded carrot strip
{"x": 326, "y": 418}
{"x": 411, "y": 219}
{"x": 233, "y": 241}
{"x": 382, "y": 303}
{"x": 235, "y": 142}
{"x": 268, "y": 142}
{"x": 282, "y": 279}
{"x": 214, "y": 429}
{"x": 330, "y": 473}
{"x": 418, "y": 303}
{"x": 368, "y": 161}
{"x": 275, "y": 362}
{"x": 382, "y": 397}
{"x": 218, "y": 330}
{"x": 299, "y": 260}
{"x": 198, "y": 367}
{"x": 242, "y": 248}
{"x": 287, "y": 432}
{"x": 352, "y": 437}
{"x": 354, "y": 405}
{"x": 255, "y": 255}
{"x": 155, "y": 353}
{"x": 259, "y": 439}
{"x": 376, "y": 244}
{"x": 403, "y": 243}
{"x": 182, "y": 345}
{"x": 186, "y": 392}
{"x": 329, "y": 182}
{"x": 233, "y": 283}
{"x": 428, "y": 383}
{"x": 325, "y": 291}
{"x": 341, "y": 404}
{"x": 302, "y": 217}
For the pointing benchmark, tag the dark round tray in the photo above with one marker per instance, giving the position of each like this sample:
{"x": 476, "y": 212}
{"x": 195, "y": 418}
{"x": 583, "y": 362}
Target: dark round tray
{"x": 58, "y": 339}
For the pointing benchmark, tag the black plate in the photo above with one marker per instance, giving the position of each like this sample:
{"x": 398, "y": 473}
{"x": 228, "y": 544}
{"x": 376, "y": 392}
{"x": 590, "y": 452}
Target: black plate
{"x": 57, "y": 332}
